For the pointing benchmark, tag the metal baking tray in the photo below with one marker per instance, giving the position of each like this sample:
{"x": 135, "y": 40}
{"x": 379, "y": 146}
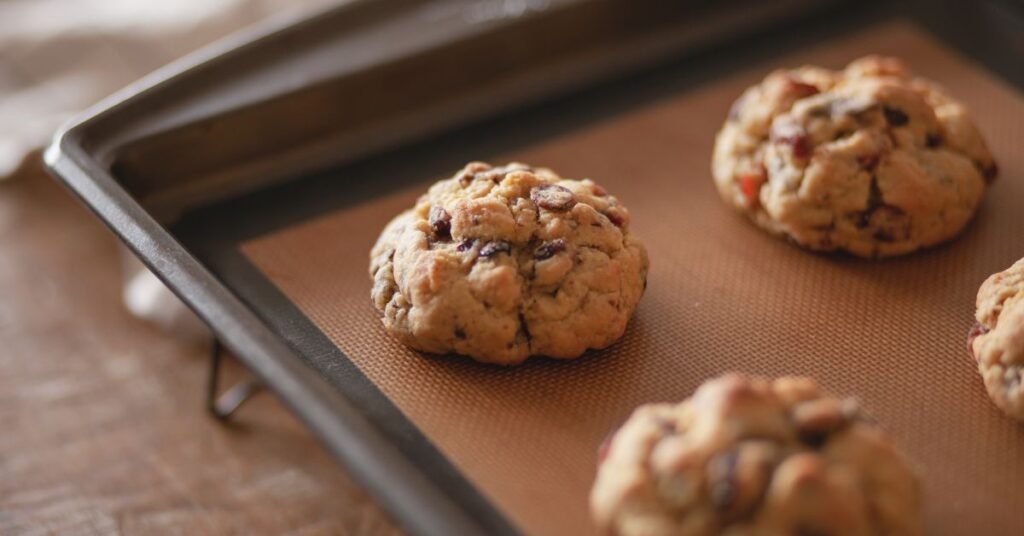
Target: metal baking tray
{"x": 313, "y": 124}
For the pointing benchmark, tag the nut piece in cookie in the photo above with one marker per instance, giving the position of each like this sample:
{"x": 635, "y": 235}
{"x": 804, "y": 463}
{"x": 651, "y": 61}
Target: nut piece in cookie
{"x": 502, "y": 263}
{"x": 869, "y": 160}
{"x": 997, "y": 340}
{"x": 754, "y": 456}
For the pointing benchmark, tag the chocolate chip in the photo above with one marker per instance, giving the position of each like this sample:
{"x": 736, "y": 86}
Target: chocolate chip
{"x": 440, "y": 221}
{"x": 895, "y": 116}
{"x": 932, "y": 140}
{"x": 465, "y": 244}
{"x": 460, "y": 334}
{"x": 552, "y": 197}
{"x": 549, "y": 249}
{"x": 491, "y": 249}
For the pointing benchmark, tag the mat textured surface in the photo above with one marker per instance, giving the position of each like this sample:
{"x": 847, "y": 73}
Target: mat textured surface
{"x": 722, "y": 296}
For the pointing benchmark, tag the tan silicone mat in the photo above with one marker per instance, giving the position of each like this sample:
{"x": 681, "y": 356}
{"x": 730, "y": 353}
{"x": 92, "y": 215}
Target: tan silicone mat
{"x": 722, "y": 296}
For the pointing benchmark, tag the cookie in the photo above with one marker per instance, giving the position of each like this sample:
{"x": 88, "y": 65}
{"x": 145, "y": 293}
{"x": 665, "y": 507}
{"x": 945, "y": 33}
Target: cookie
{"x": 868, "y": 160}
{"x": 504, "y": 263}
{"x": 754, "y": 456}
{"x": 997, "y": 340}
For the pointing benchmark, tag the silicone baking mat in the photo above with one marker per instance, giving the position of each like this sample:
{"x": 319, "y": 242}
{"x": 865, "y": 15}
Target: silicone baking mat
{"x": 722, "y": 296}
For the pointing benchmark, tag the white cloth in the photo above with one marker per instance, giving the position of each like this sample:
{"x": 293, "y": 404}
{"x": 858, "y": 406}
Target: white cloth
{"x": 60, "y": 56}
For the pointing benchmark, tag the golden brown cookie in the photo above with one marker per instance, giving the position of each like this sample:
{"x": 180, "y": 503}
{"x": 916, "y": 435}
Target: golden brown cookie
{"x": 869, "y": 160}
{"x": 752, "y": 456}
{"x": 997, "y": 340}
{"x": 502, "y": 263}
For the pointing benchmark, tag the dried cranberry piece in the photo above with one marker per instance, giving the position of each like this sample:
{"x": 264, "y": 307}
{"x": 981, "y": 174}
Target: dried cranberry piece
{"x": 803, "y": 89}
{"x": 552, "y": 197}
{"x": 895, "y": 116}
{"x": 495, "y": 247}
{"x": 549, "y": 249}
{"x": 801, "y": 146}
{"x": 440, "y": 221}
{"x": 977, "y": 330}
{"x": 795, "y": 136}
{"x": 750, "y": 185}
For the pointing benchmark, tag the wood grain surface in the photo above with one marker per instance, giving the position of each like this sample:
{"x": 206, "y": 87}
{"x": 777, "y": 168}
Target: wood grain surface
{"x": 102, "y": 428}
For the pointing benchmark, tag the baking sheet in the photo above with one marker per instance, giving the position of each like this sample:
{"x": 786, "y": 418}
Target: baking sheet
{"x": 722, "y": 296}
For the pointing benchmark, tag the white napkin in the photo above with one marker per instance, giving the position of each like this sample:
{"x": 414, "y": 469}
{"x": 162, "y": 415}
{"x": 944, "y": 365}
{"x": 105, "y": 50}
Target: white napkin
{"x": 58, "y": 57}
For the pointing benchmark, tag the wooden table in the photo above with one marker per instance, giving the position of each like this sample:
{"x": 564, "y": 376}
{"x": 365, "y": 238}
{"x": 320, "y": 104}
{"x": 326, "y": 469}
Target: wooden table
{"x": 102, "y": 427}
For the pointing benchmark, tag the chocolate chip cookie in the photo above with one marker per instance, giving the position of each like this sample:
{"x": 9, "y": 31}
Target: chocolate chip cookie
{"x": 502, "y": 263}
{"x": 754, "y": 456}
{"x": 997, "y": 340}
{"x": 869, "y": 160}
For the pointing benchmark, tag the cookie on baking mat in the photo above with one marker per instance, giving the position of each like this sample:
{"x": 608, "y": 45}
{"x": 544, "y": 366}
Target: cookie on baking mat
{"x": 502, "y": 263}
{"x": 869, "y": 160}
{"x": 754, "y": 456}
{"x": 997, "y": 340}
